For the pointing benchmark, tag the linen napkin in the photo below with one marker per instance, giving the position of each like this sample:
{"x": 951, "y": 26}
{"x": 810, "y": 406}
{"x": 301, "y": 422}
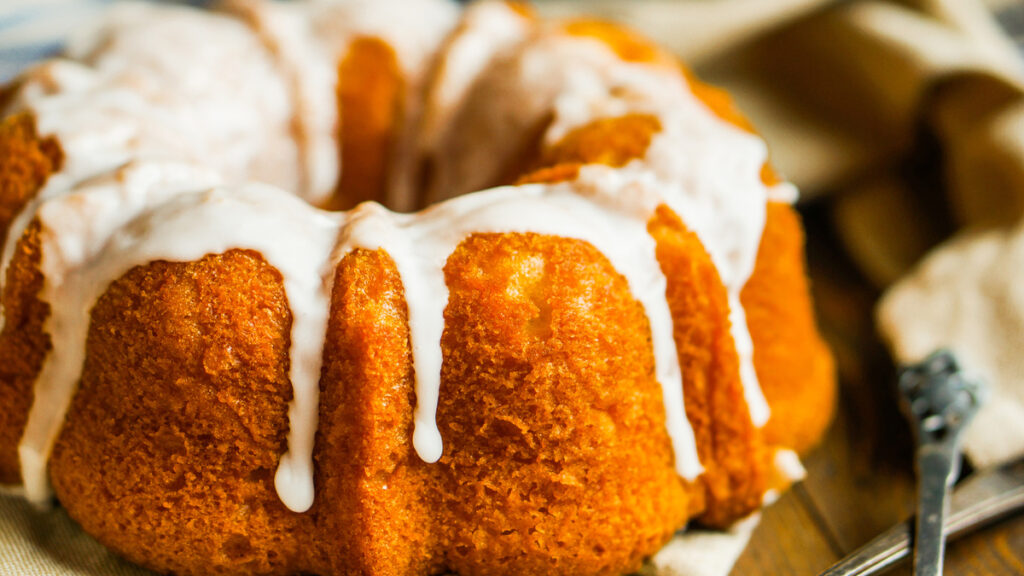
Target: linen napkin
{"x": 34, "y": 543}
{"x": 913, "y": 116}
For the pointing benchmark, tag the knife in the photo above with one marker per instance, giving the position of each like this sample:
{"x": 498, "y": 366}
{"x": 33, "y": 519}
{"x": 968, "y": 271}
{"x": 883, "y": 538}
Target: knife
{"x": 981, "y": 499}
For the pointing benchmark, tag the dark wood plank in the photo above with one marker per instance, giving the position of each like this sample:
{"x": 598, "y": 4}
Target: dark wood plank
{"x": 996, "y": 551}
{"x": 786, "y": 542}
{"x": 855, "y": 496}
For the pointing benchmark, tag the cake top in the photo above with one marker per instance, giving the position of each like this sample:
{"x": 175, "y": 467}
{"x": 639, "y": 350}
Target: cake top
{"x": 176, "y": 147}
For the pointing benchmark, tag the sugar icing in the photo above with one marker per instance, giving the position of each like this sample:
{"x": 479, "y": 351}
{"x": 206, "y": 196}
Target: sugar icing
{"x": 140, "y": 185}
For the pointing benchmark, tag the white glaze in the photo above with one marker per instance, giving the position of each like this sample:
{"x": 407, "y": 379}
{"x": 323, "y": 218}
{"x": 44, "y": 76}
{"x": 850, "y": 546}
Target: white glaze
{"x": 487, "y": 29}
{"x": 310, "y": 68}
{"x": 708, "y": 171}
{"x": 615, "y": 223}
{"x": 128, "y": 97}
{"x": 788, "y": 466}
{"x": 233, "y": 113}
{"x": 415, "y": 30}
{"x": 783, "y": 192}
{"x": 702, "y": 168}
{"x": 309, "y": 38}
{"x": 154, "y": 211}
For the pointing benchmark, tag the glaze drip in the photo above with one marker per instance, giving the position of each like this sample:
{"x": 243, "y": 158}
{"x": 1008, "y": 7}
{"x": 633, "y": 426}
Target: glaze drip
{"x": 174, "y": 192}
{"x": 98, "y": 231}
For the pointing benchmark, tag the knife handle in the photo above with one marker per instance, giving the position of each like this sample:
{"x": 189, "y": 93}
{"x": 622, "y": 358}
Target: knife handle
{"x": 979, "y": 500}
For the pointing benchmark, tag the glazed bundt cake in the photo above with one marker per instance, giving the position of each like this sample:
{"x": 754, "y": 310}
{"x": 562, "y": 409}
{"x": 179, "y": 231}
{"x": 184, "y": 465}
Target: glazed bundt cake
{"x": 216, "y": 370}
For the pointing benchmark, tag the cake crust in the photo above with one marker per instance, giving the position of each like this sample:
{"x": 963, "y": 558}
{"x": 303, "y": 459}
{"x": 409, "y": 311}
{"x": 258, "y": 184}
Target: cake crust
{"x": 557, "y": 452}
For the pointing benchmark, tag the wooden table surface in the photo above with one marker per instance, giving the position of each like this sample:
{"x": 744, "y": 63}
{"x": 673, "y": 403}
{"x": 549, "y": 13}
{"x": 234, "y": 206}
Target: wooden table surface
{"x": 860, "y": 480}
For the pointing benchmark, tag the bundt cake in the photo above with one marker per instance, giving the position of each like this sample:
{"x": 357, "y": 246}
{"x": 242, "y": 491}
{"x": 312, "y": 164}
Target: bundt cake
{"x": 217, "y": 370}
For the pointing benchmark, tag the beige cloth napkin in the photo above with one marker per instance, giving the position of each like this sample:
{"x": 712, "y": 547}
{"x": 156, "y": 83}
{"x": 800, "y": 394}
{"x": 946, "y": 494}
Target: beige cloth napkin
{"x": 913, "y": 116}
{"x": 34, "y": 543}
{"x": 909, "y": 115}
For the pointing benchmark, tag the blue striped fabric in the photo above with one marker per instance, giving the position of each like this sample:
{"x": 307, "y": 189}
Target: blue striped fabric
{"x": 31, "y": 30}
{"x": 34, "y": 29}
{"x": 14, "y": 59}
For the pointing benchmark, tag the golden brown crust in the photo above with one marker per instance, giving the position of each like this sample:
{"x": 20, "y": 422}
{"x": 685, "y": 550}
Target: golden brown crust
{"x": 26, "y": 161}
{"x": 552, "y": 174}
{"x": 374, "y": 494}
{"x": 729, "y": 445}
{"x": 522, "y": 8}
{"x": 547, "y": 360}
{"x": 608, "y": 141}
{"x": 793, "y": 364}
{"x": 556, "y": 456}
{"x": 616, "y": 141}
{"x": 23, "y": 345}
{"x": 627, "y": 44}
{"x": 171, "y": 444}
{"x": 633, "y": 47}
{"x": 370, "y": 100}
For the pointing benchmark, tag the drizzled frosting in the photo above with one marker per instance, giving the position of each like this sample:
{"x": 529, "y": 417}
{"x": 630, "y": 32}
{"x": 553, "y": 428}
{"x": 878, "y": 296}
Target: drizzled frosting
{"x": 307, "y": 40}
{"x": 159, "y": 199}
{"x": 125, "y": 97}
{"x": 133, "y": 89}
{"x": 707, "y": 170}
{"x": 487, "y": 29}
{"x": 99, "y": 230}
{"x": 310, "y": 71}
{"x": 413, "y": 29}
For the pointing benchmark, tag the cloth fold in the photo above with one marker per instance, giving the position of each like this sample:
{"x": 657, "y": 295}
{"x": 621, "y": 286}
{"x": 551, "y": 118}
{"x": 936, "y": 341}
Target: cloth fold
{"x": 967, "y": 297}
{"x": 35, "y": 543}
{"x": 949, "y": 84}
